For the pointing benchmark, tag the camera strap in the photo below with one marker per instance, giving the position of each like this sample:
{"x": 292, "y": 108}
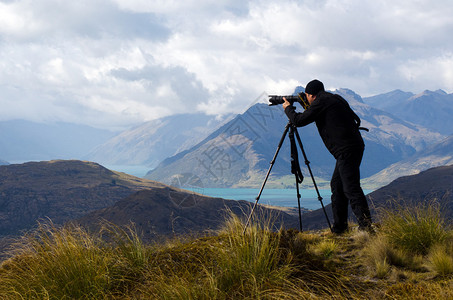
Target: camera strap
{"x": 303, "y": 101}
{"x": 295, "y": 166}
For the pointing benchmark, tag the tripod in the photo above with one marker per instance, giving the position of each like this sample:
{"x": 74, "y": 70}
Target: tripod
{"x": 295, "y": 169}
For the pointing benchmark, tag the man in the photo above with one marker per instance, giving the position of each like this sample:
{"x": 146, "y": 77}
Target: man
{"x": 338, "y": 127}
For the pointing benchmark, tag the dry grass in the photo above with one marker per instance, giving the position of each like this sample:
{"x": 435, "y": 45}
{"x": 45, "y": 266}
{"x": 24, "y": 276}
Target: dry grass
{"x": 441, "y": 260}
{"x": 70, "y": 263}
{"x": 415, "y": 228}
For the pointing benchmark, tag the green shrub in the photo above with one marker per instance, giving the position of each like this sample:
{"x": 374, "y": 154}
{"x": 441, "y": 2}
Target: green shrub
{"x": 415, "y": 228}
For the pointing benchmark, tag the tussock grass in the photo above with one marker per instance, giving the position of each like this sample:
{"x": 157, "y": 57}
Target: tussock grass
{"x": 415, "y": 228}
{"x": 382, "y": 254}
{"x": 250, "y": 262}
{"x": 382, "y": 268}
{"x": 233, "y": 265}
{"x": 420, "y": 290}
{"x": 263, "y": 263}
{"x": 67, "y": 262}
{"x": 411, "y": 238}
{"x": 325, "y": 248}
{"x": 260, "y": 264}
{"x": 441, "y": 260}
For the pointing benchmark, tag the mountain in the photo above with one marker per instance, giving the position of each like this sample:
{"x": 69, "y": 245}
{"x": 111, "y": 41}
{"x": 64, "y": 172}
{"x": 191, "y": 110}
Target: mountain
{"x": 153, "y": 141}
{"x": 22, "y": 140}
{"x": 239, "y": 152}
{"x": 388, "y": 132}
{"x": 439, "y": 154}
{"x": 163, "y": 212}
{"x": 388, "y": 101}
{"x": 59, "y": 190}
{"x": 431, "y": 109}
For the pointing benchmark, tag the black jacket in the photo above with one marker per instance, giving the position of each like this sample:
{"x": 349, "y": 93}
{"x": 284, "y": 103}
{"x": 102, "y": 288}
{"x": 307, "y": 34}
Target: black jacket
{"x": 337, "y": 124}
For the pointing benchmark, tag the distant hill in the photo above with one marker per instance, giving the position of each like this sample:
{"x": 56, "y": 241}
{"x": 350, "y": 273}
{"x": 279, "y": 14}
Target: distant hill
{"x": 239, "y": 152}
{"x": 439, "y": 154}
{"x": 435, "y": 184}
{"x": 432, "y": 184}
{"x": 151, "y": 142}
{"x": 59, "y": 190}
{"x": 22, "y": 140}
{"x": 431, "y": 109}
{"x": 164, "y": 212}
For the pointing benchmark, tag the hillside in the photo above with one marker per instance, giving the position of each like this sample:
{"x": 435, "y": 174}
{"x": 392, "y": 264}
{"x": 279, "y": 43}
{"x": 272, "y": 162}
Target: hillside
{"x": 409, "y": 257}
{"x": 439, "y": 154}
{"x": 435, "y": 184}
{"x": 239, "y": 152}
{"x": 164, "y": 212}
{"x": 60, "y": 190}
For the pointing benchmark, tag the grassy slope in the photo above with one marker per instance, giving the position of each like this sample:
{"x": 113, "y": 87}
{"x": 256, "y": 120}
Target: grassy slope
{"x": 59, "y": 263}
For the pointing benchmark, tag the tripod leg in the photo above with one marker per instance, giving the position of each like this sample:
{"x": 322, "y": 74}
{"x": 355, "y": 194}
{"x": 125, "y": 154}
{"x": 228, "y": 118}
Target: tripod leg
{"x": 307, "y": 162}
{"x": 298, "y": 202}
{"x": 267, "y": 175}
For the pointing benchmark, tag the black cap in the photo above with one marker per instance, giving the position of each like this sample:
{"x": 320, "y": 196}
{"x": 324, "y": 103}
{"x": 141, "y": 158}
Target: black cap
{"x": 314, "y": 87}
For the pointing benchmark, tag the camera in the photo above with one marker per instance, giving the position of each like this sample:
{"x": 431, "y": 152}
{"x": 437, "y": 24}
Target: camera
{"x": 301, "y": 98}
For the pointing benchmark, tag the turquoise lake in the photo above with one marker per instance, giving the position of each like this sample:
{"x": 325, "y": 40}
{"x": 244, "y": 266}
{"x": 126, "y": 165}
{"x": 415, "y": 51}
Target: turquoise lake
{"x": 276, "y": 197}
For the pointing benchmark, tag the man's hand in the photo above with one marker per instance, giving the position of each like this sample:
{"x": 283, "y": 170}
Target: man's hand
{"x": 286, "y": 103}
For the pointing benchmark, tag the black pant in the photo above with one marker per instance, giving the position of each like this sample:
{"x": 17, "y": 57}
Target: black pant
{"x": 345, "y": 185}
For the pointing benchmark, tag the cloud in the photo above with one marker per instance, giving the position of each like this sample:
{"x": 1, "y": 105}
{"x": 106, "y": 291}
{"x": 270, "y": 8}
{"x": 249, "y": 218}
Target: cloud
{"x": 115, "y": 63}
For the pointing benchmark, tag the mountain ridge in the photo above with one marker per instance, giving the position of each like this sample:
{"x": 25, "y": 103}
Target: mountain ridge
{"x": 237, "y": 154}
{"x": 439, "y": 154}
{"x": 431, "y": 109}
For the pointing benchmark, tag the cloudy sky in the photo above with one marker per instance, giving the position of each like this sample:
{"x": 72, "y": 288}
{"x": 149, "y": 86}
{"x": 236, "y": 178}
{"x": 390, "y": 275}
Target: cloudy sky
{"x": 114, "y": 63}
